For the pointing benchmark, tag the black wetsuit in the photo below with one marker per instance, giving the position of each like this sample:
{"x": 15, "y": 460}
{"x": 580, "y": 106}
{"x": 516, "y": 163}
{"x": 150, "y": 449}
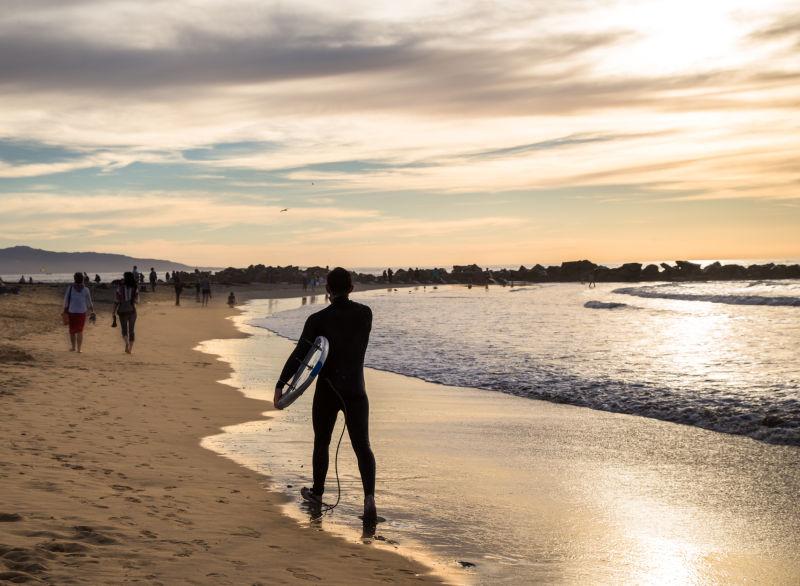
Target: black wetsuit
{"x": 346, "y": 324}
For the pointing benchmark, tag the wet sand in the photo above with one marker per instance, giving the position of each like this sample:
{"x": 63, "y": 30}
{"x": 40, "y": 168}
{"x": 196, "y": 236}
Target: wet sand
{"x": 534, "y": 492}
{"x": 102, "y": 477}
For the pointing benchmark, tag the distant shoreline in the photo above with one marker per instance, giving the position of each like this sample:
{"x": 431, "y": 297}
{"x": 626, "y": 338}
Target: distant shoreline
{"x": 584, "y": 271}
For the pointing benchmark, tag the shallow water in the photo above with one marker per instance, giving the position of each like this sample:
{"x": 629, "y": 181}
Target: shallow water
{"x": 532, "y": 491}
{"x": 731, "y": 366}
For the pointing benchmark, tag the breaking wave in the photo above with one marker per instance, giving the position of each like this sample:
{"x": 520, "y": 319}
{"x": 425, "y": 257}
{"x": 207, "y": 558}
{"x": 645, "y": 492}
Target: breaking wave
{"x": 657, "y": 292}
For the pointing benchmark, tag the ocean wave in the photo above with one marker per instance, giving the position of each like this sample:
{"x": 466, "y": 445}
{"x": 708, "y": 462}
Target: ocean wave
{"x": 604, "y": 305}
{"x": 776, "y": 423}
{"x": 547, "y": 347}
{"x": 658, "y": 293}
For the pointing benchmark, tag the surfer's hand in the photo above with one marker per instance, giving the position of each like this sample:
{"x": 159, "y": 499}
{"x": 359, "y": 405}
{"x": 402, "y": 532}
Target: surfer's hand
{"x": 278, "y": 394}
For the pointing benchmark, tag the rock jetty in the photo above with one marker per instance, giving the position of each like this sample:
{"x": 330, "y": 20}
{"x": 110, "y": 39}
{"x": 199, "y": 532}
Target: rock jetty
{"x": 570, "y": 271}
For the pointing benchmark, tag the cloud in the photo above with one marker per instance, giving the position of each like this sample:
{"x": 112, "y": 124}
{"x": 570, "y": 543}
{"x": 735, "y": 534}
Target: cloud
{"x": 166, "y": 115}
{"x": 381, "y": 64}
{"x": 50, "y": 215}
{"x": 787, "y": 27}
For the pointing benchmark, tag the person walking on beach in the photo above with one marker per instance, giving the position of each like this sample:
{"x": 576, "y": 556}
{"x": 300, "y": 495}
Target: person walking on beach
{"x": 153, "y": 279}
{"x": 178, "y": 288}
{"x": 125, "y": 301}
{"x": 205, "y": 287}
{"x": 340, "y": 386}
{"x": 77, "y": 303}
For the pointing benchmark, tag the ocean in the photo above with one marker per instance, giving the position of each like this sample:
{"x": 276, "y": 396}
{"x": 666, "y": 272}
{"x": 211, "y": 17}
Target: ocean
{"x": 723, "y": 356}
{"x": 63, "y": 277}
{"x": 561, "y": 436}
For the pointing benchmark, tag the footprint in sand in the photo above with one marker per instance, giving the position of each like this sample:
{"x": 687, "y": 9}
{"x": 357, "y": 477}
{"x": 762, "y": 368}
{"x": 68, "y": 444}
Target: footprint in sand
{"x": 302, "y": 574}
{"x": 10, "y": 517}
{"x": 20, "y": 560}
{"x": 64, "y": 547}
{"x": 247, "y": 532}
{"x": 17, "y": 577}
{"x": 86, "y": 533}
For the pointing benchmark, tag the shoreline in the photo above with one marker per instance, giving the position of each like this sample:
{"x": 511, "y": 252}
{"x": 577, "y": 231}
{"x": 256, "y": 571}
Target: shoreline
{"x": 104, "y": 478}
{"x": 292, "y": 506}
{"x": 598, "y": 480}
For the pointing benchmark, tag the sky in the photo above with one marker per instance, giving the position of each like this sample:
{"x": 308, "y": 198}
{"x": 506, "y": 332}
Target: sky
{"x": 414, "y": 133}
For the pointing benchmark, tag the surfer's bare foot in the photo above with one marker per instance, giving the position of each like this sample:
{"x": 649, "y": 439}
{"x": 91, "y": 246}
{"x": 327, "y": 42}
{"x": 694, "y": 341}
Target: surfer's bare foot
{"x": 309, "y": 495}
{"x": 370, "y": 512}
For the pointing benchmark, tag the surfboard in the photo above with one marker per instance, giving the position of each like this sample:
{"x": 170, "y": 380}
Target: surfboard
{"x": 306, "y": 372}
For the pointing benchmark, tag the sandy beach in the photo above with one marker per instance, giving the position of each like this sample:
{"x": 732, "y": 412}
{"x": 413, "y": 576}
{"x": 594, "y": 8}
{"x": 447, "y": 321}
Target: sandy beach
{"x": 102, "y": 475}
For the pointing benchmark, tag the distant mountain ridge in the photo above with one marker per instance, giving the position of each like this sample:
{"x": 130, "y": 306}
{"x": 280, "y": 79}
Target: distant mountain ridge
{"x": 27, "y": 260}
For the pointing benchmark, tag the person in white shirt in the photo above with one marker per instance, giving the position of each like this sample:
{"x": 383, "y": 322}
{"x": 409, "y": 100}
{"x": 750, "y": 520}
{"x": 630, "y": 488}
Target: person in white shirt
{"x": 77, "y": 303}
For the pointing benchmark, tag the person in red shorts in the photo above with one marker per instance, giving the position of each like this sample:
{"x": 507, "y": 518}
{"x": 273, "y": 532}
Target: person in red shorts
{"x": 77, "y": 303}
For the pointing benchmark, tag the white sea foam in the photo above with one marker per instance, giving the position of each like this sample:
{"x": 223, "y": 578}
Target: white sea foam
{"x": 708, "y": 292}
{"x": 727, "y": 367}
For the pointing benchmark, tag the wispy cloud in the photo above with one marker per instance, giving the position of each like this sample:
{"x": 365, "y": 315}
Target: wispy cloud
{"x": 181, "y": 119}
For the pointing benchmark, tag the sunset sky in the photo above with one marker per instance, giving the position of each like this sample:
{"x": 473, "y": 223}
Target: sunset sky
{"x": 401, "y": 133}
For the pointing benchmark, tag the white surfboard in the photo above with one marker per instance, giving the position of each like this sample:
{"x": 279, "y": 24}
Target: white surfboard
{"x": 306, "y": 372}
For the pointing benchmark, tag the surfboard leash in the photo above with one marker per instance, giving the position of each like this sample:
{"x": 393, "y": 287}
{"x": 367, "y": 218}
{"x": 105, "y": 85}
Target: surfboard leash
{"x": 329, "y": 508}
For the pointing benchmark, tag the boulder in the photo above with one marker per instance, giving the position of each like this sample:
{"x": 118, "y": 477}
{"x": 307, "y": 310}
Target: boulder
{"x": 631, "y": 271}
{"x": 539, "y": 272}
{"x": 688, "y": 269}
{"x": 760, "y": 271}
{"x": 553, "y": 273}
{"x": 650, "y": 273}
{"x": 469, "y": 274}
{"x": 732, "y": 272}
{"x": 669, "y": 272}
{"x": 577, "y": 270}
{"x": 712, "y": 271}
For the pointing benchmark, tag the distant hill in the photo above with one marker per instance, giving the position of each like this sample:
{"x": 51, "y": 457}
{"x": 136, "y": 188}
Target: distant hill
{"x": 27, "y": 260}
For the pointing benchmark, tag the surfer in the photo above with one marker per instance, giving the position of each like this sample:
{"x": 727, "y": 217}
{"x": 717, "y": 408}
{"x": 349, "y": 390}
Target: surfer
{"x": 340, "y": 385}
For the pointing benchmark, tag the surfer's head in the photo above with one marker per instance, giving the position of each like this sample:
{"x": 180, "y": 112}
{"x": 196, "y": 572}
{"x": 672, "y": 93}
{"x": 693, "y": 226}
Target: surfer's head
{"x": 339, "y": 283}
